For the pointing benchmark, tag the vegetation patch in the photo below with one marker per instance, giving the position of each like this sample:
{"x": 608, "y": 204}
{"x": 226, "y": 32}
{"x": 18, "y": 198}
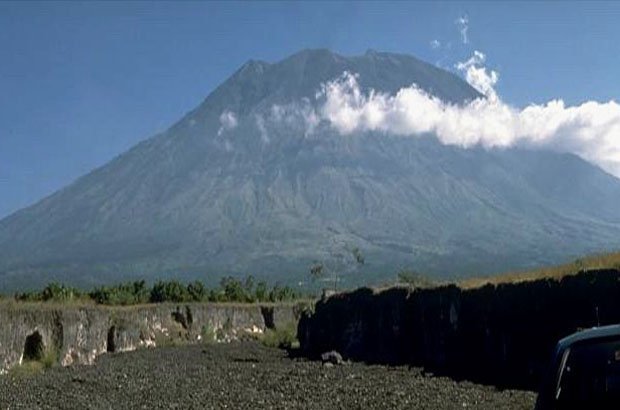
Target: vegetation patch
{"x": 26, "y": 369}
{"x": 54, "y": 292}
{"x": 283, "y": 337}
{"x": 29, "y": 367}
{"x": 138, "y": 292}
{"x": 176, "y": 336}
{"x": 208, "y": 334}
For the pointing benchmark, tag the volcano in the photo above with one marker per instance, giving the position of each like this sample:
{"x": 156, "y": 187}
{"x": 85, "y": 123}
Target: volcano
{"x": 239, "y": 186}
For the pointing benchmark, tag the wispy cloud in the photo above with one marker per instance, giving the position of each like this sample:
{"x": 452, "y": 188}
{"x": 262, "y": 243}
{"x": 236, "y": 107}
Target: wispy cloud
{"x": 301, "y": 113}
{"x": 228, "y": 121}
{"x": 262, "y": 128}
{"x": 435, "y": 44}
{"x": 463, "y": 25}
{"x": 477, "y": 75}
{"x": 590, "y": 130}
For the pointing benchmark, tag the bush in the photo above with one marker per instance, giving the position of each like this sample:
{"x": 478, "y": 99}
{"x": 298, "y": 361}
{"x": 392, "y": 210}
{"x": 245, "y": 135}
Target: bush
{"x": 26, "y": 369}
{"x": 29, "y": 368}
{"x": 196, "y": 291}
{"x": 261, "y": 293}
{"x": 282, "y": 294}
{"x": 53, "y": 292}
{"x": 233, "y": 290}
{"x": 171, "y": 291}
{"x": 283, "y": 338}
{"x": 208, "y": 334}
{"x": 137, "y": 292}
{"x": 132, "y": 293}
{"x": 49, "y": 359}
{"x": 60, "y": 293}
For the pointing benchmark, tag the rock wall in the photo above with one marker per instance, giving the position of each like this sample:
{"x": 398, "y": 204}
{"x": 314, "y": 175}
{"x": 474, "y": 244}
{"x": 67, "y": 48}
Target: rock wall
{"x": 78, "y": 334}
{"x": 501, "y": 335}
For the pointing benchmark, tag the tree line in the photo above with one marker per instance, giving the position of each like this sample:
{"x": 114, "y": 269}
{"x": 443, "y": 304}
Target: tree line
{"x": 139, "y": 292}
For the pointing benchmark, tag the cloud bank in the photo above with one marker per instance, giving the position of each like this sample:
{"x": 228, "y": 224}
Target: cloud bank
{"x": 590, "y": 130}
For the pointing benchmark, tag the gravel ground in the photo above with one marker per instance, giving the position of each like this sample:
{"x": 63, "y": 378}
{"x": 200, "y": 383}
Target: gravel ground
{"x": 243, "y": 376}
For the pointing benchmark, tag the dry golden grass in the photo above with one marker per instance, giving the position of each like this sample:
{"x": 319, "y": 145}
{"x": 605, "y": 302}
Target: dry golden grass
{"x": 600, "y": 261}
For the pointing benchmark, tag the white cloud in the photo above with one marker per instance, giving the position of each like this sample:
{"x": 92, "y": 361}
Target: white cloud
{"x": 590, "y": 130}
{"x": 228, "y": 121}
{"x": 463, "y": 25}
{"x": 297, "y": 113}
{"x": 262, "y": 129}
{"x": 435, "y": 44}
{"x": 478, "y": 76}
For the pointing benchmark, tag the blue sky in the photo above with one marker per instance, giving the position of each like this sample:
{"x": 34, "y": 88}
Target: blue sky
{"x": 82, "y": 82}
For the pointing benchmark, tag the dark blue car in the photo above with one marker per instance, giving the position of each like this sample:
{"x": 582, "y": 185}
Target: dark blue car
{"x": 584, "y": 372}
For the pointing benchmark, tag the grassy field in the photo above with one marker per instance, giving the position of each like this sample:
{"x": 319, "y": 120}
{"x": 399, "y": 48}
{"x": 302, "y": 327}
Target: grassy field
{"x": 600, "y": 261}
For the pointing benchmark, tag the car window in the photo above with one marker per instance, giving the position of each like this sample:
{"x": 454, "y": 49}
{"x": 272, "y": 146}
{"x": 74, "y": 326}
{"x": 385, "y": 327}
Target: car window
{"x": 589, "y": 375}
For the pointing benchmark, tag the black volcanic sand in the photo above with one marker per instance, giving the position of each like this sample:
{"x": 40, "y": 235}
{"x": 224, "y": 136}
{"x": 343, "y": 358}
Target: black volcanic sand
{"x": 243, "y": 375}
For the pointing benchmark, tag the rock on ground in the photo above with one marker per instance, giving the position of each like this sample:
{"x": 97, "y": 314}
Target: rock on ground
{"x": 243, "y": 375}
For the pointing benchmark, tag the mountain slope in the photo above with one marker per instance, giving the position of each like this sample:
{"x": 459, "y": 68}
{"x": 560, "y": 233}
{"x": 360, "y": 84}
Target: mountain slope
{"x": 263, "y": 196}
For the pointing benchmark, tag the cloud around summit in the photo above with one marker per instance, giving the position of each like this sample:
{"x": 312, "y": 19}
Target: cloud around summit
{"x": 590, "y": 130}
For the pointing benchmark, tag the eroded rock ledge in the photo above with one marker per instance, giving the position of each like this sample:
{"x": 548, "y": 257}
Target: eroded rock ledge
{"x": 501, "y": 335}
{"x": 78, "y": 334}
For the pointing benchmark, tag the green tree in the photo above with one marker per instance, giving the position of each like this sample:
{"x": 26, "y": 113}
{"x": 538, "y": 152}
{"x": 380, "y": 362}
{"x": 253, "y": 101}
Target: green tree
{"x": 170, "y": 291}
{"x": 248, "y": 289}
{"x": 59, "y": 293}
{"x": 233, "y": 290}
{"x": 261, "y": 292}
{"x": 196, "y": 291}
{"x": 341, "y": 260}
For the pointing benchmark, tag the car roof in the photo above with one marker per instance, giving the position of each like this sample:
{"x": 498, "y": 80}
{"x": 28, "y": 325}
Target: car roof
{"x": 590, "y": 334}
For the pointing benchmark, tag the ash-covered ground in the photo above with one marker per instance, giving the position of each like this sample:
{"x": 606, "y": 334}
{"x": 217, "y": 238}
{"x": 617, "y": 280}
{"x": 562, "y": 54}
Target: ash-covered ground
{"x": 244, "y": 375}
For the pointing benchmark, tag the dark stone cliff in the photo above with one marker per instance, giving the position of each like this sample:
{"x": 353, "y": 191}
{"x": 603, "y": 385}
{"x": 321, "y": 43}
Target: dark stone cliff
{"x": 501, "y": 335}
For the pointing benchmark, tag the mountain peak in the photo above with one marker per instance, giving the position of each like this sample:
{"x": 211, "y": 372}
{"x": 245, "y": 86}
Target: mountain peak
{"x": 314, "y": 53}
{"x": 230, "y": 190}
{"x": 254, "y": 66}
{"x": 302, "y": 74}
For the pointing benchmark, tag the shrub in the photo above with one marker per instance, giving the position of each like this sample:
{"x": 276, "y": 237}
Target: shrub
{"x": 26, "y": 369}
{"x": 208, "y": 334}
{"x": 233, "y": 290}
{"x": 171, "y": 291}
{"x": 284, "y": 337}
{"x": 261, "y": 293}
{"x": 282, "y": 294}
{"x": 60, "y": 293}
{"x": 29, "y": 368}
{"x": 49, "y": 359}
{"x": 196, "y": 291}
{"x": 132, "y": 293}
{"x": 124, "y": 294}
{"x": 53, "y": 292}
